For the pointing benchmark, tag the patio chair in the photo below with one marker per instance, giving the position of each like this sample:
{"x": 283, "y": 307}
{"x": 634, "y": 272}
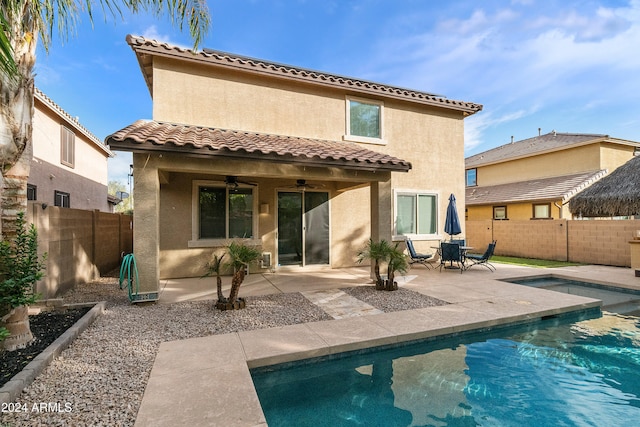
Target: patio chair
{"x": 416, "y": 257}
{"x": 478, "y": 259}
{"x": 450, "y": 252}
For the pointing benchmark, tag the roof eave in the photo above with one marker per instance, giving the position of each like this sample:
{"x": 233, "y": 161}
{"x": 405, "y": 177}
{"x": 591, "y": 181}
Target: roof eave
{"x": 145, "y": 52}
{"x": 132, "y": 146}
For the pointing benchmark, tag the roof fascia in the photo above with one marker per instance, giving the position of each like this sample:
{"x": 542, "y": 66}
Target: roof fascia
{"x": 147, "y": 148}
{"x": 324, "y": 79}
{"x": 540, "y": 153}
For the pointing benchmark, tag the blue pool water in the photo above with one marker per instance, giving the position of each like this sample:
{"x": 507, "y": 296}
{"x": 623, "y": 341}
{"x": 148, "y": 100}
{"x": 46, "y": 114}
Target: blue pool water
{"x": 614, "y": 299}
{"x": 568, "y": 372}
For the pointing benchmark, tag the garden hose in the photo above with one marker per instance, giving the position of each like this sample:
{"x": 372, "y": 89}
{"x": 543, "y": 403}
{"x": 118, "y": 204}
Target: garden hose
{"x": 128, "y": 267}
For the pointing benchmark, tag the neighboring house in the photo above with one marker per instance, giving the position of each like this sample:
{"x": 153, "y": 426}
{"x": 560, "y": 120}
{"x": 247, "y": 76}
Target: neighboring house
{"x": 69, "y": 165}
{"x": 535, "y": 178}
{"x": 307, "y": 165}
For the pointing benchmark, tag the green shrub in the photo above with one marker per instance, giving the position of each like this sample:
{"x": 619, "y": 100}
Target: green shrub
{"x": 20, "y": 267}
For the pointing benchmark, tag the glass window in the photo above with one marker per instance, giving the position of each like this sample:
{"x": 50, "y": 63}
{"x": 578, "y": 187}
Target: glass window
{"x": 67, "y": 147}
{"x": 32, "y": 192}
{"x": 62, "y": 199}
{"x": 416, "y": 213}
{"x": 542, "y": 211}
{"x": 225, "y": 213}
{"x": 471, "y": 177}
{"x": 364, "y": 119}
{"x": 499, "y": 212}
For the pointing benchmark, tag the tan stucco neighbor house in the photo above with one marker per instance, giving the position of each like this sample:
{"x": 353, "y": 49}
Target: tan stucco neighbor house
{"x": 69, "y": 164}
{"x": 306, "y": 165}
{"x": 536, "y": 178}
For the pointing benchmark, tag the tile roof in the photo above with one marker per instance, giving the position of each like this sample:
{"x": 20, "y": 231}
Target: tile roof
{"x": 145, "y": 49}
{"x": 554, "y": 188}
{"x": 552, "y": 141}
{"x": 150, "y": 136}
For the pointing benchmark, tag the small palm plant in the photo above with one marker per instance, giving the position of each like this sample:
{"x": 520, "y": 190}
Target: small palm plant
{"x": 213, "y": 267}
{"x": 240, "y": 256}
{"x": 397, "y": 261}
{"x": 376, "y": 252}
{"x": 380, "y": 252}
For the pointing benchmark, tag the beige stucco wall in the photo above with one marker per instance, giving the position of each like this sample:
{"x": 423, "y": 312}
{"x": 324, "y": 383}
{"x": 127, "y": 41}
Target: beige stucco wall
{"x": 517, "y": 211}
{"x": 86, "y": 181}
{"x": 431, "y": 139}
{"x": 575, "y": 160}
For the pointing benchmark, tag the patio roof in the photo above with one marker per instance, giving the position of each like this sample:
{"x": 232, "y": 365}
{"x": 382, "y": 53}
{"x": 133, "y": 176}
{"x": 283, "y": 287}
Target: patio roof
{"x": 145, "y": 136}
{"x": 554, "y": 188}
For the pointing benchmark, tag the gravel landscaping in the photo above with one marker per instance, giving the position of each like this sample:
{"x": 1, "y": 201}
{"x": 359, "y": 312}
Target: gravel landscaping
{"x": 100, "y": 379}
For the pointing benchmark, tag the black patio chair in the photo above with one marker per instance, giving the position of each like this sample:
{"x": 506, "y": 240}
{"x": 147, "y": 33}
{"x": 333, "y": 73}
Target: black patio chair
{"x": 450, "y": 252}
{"x": 415, "y": 257}
{"x": 477, "y": 259}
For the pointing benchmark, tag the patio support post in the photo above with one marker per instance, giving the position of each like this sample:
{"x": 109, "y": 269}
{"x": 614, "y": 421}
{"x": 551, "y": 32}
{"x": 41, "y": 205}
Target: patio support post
{"x": 146, "y": 216}
{"x": 381, "y": 197}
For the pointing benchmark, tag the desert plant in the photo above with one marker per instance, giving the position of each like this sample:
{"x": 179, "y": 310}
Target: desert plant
{"x": 240, "y": 256}
{"x": 213, "y": 268}
{"x": 376, "y": 252}
{"x": 380, "y": 252}
{"x": 396, "y": 262}
{"x": 20, "y": 269}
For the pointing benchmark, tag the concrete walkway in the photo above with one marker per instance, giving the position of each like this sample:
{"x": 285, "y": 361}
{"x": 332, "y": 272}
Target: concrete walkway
{"x": 187, "y": 373}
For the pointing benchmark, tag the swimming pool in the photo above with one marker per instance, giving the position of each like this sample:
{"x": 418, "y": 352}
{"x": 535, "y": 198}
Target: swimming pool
{"x": 559, "y": 372}
{"x": 614, "y": 299}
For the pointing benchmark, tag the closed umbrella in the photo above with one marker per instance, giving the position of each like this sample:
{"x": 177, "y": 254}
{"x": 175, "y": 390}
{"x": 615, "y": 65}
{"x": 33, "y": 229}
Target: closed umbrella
{"x": 452, "y": 222}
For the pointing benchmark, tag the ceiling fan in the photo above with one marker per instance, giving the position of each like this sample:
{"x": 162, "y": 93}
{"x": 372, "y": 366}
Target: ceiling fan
{"x": 301, "y": 184}
{"x": 233, "y": 182}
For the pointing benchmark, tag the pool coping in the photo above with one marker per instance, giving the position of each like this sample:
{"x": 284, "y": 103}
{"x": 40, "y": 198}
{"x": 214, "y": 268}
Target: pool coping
{"x": 207, "y": 381}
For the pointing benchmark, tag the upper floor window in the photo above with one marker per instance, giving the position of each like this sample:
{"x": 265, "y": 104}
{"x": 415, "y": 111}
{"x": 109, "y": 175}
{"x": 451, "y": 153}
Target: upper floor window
{"x": 364, "y": 120}
{"x": 472, "y": 177}
{"x": 67, "y": 146}
{"x": 499, "y": 212}
{"x": 416, "y": 213}
{"x": 62, "y": 199}
{"x": 223, "y": 212}
{"x": 542, "y": 211}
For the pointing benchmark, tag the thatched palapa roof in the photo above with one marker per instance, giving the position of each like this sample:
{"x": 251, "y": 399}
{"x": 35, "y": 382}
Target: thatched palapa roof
{"x": 617, "y": 194}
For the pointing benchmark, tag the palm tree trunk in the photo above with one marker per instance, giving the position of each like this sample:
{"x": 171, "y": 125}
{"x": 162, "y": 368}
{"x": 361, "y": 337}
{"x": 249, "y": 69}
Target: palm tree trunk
{"x": 219, "y": 288}
{"x": 16, "y": 113}
{"x": 236, "y": 281}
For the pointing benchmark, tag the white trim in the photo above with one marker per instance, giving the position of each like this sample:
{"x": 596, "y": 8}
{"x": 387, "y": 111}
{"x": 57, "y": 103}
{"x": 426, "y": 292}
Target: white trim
{"x": 195, "y": 241}
{"x": 364, "y": 139}
{"x": 412, "y": 192}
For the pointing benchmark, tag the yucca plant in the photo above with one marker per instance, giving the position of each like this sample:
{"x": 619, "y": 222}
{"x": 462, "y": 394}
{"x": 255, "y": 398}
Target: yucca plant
{"x": 213, "y": 268}
{"x": 240, "y": 256}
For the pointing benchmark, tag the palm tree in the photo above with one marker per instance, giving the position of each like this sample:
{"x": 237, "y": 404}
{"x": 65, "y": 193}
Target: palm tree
{"x": 26, "y": 21}
{"x": 240, "y": 256}
{"x": 22, "y": 23}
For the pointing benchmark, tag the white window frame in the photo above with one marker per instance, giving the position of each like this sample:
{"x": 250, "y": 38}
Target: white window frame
{"x": 364, "y": 139}
{"x": 416, "y": 193}
{"x": 475, "y": 177}
{"x": 196, "y": 241}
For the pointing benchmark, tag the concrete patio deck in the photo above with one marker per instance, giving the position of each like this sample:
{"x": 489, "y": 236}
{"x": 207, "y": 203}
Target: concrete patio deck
{"x": 187, "y": 372}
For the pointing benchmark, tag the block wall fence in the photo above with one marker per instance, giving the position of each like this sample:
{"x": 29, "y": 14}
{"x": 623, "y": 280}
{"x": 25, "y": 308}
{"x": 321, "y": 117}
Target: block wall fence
{"x": 590, "y": 242}
{"x": 80, "y": 244}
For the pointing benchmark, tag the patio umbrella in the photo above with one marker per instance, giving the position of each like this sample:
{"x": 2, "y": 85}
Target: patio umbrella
{"x": 452, "y": 222}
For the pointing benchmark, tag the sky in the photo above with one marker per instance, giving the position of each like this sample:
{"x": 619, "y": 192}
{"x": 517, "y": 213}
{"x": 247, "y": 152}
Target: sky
{"x": 535, "y": 66}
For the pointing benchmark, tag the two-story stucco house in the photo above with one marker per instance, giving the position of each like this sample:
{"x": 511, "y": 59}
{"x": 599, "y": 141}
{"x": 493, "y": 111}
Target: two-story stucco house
{"x": 69, "y": 164}
{"x": 305, "y": 164}
{"x": 535, "y": 178}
